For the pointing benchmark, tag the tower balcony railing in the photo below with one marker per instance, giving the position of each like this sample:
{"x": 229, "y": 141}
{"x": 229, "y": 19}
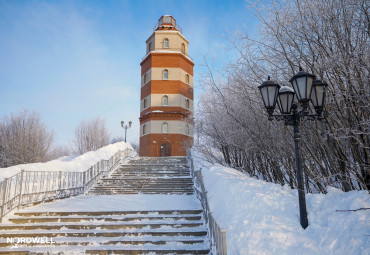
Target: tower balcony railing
{"x": 180, "y": 50}
{"x": 167, "y": 21}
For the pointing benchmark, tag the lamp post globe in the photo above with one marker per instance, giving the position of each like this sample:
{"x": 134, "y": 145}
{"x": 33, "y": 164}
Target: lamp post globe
{"x": 285, "y": 99}
{"x": 269, "y": 91}
{"x": 302, "y": 85}
{"x": 318, "y": 95}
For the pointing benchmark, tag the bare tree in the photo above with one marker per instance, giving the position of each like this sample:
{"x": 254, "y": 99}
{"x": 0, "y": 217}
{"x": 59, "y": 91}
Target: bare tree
{"x": 91, "y": 135}
{"x": 117, "y": 139}
{"x": 135, "y": 146}
{"x": 329, "y": 38}
{"x": 24, "y": 139}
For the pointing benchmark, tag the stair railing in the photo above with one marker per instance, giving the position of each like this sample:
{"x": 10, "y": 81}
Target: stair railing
{"x": 28, "y": 187}
{"x": 218, "y": 235}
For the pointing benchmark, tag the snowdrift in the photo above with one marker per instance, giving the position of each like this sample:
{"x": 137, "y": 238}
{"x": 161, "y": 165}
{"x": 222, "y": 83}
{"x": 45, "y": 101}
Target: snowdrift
{"x": 69, "y": 163}
{"x": 263, "y": 218}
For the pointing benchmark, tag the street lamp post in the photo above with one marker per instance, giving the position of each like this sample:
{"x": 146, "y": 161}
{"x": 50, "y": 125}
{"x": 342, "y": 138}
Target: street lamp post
{"x": 126, "y": 127}
{"x": 307, "y": 89}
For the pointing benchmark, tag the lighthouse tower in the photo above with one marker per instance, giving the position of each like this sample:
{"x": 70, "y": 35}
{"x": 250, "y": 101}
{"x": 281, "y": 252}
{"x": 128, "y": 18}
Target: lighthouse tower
{"x": 166, "y": 108}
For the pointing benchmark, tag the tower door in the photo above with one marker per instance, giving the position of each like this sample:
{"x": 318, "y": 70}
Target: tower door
{"x": 165, "y": 150}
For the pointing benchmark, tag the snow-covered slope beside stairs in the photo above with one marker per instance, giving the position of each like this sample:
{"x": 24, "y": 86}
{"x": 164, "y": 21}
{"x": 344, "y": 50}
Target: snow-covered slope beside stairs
{"x": 168, "y": 220}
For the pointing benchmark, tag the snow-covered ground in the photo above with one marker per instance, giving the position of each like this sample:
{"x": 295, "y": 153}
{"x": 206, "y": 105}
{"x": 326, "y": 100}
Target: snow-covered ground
{"x": 263, "y": 218}
{"x": 260, "y": 217}
{"x": 120, "y": 203}
{"x": 69, "y": 163}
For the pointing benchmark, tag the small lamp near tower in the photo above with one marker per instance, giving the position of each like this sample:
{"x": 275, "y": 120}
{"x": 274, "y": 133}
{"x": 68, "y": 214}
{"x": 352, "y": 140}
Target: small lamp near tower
{"x": 306, "y": 89}
{"x": 126, "y": 127}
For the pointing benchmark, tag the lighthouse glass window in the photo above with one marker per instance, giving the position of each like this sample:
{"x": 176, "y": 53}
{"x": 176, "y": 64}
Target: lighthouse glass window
{"x": 165, "y": 74}
{"x": 166, "y": 43}
{"x": 167, "y": 20}
{"x": 165, "y": 100}
{"x": 165, "y": 128}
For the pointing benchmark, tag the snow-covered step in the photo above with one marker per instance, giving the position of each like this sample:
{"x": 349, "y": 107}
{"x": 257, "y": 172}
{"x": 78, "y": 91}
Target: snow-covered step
{"x": 147, "y": 176}
{"x": 111, "y": 249}
{"x": 145, "y": 207}
{"x": 135, "y": 192}
{"x": 108, "y": 232}
{"x": 172, "y": 213}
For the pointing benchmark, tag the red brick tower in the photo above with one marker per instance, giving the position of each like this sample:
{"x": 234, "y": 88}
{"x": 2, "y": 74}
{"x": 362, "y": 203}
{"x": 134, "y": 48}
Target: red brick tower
{"x": 166, "y": 108}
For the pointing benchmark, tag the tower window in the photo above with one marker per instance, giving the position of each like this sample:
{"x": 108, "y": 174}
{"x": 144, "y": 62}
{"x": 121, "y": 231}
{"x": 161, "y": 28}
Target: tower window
{"x": 145, "y": 103}
{"x": 165, "y": 74}
{"x": 165, "y": 128}
{"x": 187, "y": 78}
{"x": 165, "y": 100}
{"x": 144, "y": 129}
{"x": 187, "y": 103}
{"x": 166, "y": 43}
{"x": 145, "y": 78}
{"x": 183, "y": 48}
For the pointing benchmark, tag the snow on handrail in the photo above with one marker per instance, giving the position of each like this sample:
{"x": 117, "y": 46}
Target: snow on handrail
{"x": 28, "y": 187}
{"x": 218, "y": 235}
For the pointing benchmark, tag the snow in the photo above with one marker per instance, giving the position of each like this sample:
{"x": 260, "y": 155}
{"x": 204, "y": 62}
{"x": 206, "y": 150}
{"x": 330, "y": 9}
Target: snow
{"x": 68, "y": 163}
{"x": 263, "y": 218}
{"x": 120, "y": 203}
{"x": 259, "y": 217}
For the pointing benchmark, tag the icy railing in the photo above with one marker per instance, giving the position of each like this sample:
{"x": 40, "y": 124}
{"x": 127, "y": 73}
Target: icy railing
{"x": 165, "y": 21}
{"x": 37, "y": 186}
{"x": 218, "y": 235}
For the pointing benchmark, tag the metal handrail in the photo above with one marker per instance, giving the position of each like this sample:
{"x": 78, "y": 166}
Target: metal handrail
{"x": 28, "y": 187}
{"x": 160, "y": 23}
{"x": 217, "y": 234}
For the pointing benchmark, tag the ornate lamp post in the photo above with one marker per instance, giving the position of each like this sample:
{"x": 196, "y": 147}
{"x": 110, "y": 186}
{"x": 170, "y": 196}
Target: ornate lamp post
{"x": 307, "y": 90}
{"x": 126, "y": 127}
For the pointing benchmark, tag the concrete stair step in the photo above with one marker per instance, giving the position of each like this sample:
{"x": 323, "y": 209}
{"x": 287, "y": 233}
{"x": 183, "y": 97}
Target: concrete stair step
{"x": 91, "y": 226}
{"x": 120, "y": 233}
{"x": 103, "y": 250}
{"x": 147, "y": 176}
{"x": 85, "y": 242}
{"x": 137, "y": 252}
{"x": 170, "y": 213}
{"x": 147, "y": 179}
{"x": 109, "y": 223}
{"x": 145, "y": 191}
{"x": 141, "y": 192}
{"x": 157, "y": 164}
{"x": 146, "y": 220}
{"x": 133, "y": 171}
{"x": 139, "y": 185}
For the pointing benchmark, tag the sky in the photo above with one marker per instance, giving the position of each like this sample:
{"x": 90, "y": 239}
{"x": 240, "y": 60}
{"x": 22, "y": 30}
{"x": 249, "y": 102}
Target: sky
{"x": 77, "y": 60}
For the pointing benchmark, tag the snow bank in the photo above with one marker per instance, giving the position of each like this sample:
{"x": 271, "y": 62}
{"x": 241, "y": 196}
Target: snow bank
{"x": 69, "y": 163}
{"x": 263, "y": 218}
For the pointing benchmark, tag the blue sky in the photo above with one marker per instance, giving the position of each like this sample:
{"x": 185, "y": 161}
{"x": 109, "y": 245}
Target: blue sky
{"x": 75, "y": 60}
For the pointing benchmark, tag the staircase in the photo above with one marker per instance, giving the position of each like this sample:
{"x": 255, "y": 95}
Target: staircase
{"x": 161, "y": 216}
{"x": 148, "y": 176}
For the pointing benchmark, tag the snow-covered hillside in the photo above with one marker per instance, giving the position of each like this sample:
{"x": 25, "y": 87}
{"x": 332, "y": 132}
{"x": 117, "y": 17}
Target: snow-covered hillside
{"x": 263, "y": 218}
{"x": 70, "y": 163}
